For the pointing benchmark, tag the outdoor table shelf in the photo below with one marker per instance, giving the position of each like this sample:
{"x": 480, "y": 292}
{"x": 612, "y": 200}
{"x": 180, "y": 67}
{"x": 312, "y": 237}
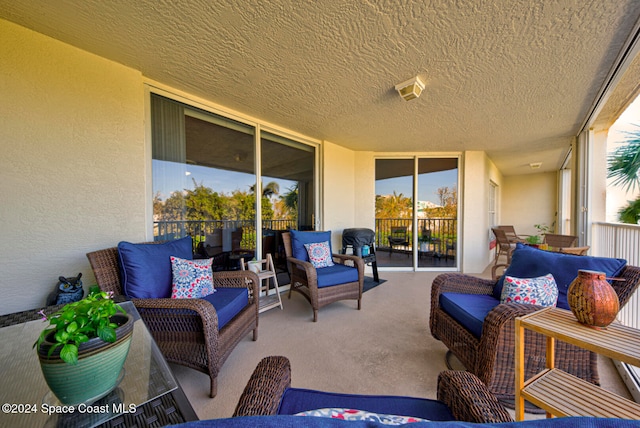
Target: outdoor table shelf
{"x": 561, "y": 394}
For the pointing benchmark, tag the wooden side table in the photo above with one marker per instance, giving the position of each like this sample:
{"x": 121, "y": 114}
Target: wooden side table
{"x": 562, "y": 394}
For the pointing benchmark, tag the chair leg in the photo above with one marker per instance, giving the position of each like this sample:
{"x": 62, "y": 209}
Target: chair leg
{"x": 359, "y": 304}
{"x": 315, "y": 315}
{"x": 255, "y": 334}
{"x": 214, "y": 387}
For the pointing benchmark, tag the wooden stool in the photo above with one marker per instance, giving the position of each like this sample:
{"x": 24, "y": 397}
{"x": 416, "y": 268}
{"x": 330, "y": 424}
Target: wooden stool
{"x": 265, "y": 270}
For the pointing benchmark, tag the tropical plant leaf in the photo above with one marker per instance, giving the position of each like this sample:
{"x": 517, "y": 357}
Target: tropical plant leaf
{"x": 624, "y": 162}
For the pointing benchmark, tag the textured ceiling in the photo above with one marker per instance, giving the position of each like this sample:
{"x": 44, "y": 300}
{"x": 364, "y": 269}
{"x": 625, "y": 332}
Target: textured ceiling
{"x": 515, "y": 78}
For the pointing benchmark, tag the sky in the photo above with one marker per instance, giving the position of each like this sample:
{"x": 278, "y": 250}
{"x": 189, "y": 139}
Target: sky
{"x": 428, "y": 184}
{"x": 171, "y": 176}
{"x": 617, "y": 197}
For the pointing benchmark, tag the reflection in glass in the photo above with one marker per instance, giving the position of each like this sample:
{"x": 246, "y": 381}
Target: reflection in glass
{"x": 203, "y": 181}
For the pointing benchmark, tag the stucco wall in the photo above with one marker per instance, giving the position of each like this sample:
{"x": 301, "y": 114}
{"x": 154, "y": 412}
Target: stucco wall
{"x": 72, "y": 164}
{"x": 338, "y": 191}
{"x": 528, "y": 200}
{"x": 478, "y": 172}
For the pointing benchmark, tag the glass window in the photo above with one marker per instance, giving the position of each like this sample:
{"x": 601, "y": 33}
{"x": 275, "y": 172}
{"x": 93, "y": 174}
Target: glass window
{"x": 204, "y": 183}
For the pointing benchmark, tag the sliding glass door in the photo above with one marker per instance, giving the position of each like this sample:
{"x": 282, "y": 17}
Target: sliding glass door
{"x": 213, "y": 180}
{"x": 437, "y": 212}
{"x": 416, "y": 212}
{"x": 394, "y": 212}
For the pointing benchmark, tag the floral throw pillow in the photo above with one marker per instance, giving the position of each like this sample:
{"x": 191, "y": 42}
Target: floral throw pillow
{"x": 361, "y": 415}
{"x": 192, "y": 279}
{"x": 319, "y": 254}
{"x": 541, "y": 291}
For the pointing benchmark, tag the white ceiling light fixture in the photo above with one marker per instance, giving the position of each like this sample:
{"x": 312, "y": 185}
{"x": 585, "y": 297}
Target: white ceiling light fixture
{"x": 535, "y": 165}
{"x": 411, "y": 89}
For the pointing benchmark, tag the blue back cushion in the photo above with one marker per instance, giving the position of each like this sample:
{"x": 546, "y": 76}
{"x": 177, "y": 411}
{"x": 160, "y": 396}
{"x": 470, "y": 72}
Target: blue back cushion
{"x": 146, "y": 268}
{"x": 228, "y": 301}
{"x": 298, "y": 239}
{"x": 296, "y": 400}
{"x": 469, "y": 310}
{"x": 336, "y": 274}
{"x": 530, "y": 262}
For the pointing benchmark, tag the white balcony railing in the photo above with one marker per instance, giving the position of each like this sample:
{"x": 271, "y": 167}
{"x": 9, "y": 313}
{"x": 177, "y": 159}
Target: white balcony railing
{"x": 622, "y": 241}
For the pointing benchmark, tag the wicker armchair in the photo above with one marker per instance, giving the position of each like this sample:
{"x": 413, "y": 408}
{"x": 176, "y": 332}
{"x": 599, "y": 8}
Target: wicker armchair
{"x": 491, "y": 357}
{"x": 186, "y": 330}
{"x": 304, "y": 280}
{"x": 467, "y": 398}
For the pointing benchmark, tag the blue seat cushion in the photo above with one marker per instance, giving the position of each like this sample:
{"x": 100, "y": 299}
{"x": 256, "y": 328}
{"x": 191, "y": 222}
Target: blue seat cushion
{"x": 228, "y": 302}
{"x": 280, "y": 421}
{"x": 469, "y": 310}
{"x": 336, "y": 274}
{"x": 298, "y": 239}
{"x": 530, "y": 262}
{"x": 145, "y": 269}
{"x": 295, "y": 400}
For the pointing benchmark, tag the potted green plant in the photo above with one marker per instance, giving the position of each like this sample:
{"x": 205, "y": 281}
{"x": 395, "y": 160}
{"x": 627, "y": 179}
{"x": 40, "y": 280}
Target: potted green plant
{"x": 536, "y": 240}
{"x": 533, "y": 240}
{"x": 83, "y": 349}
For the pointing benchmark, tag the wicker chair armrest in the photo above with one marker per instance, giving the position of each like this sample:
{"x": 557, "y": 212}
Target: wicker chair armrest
{"x": 504, "y": 313}
{"x": 498, "y": 335}
{"x": 629, "y": 284}
{"x": 469, "y": 399}
{"x": 263, "y": 392}
{"x": 345, "y": 258}
{"x": 306, "y": 267}
{"x": 461, "y": 283}
{"x": 237, "y": 279}
{"x": 161, "y": 309}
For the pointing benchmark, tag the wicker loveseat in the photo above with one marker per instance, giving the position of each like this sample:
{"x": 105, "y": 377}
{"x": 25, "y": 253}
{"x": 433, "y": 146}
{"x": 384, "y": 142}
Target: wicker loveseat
{"x": 269, "y": 392}
{"x": 488, "y": 350}
{"x": 186, "y": 330}
{"x": 265, "y": 402}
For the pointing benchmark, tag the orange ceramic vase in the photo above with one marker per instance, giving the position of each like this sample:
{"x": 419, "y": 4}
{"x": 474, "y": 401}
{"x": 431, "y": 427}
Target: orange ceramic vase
{"x": 592, "y": 299}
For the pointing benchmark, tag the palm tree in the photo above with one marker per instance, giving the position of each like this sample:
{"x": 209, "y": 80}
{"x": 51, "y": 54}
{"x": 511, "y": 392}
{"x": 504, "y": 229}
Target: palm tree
{"x": 272, "y": 188}
{"x": 291, "y": 199}
{"x": 393, "y": 206}
{"x": 624, "y": 168}
{"x": 624, "y": 162}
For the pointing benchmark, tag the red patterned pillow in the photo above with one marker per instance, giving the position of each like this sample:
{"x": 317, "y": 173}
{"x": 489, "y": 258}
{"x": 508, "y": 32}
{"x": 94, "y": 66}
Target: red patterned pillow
{"x": 192, "y": 279}
{"x": 319, "y": 254}
{"x": 541, "y": 291}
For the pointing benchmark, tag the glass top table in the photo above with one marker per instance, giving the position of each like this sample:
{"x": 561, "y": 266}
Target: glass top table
{"x": 28, "y": 401}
